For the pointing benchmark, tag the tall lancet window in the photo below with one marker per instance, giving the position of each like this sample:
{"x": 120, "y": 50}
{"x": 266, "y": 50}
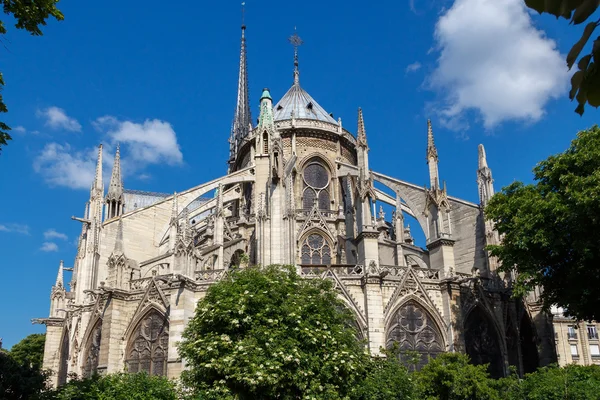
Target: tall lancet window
{"x": 315, "y": 250}
{"x": 92, "y": 353}
{"x": 316, "y": 186}
{"x": 148, "y": 345}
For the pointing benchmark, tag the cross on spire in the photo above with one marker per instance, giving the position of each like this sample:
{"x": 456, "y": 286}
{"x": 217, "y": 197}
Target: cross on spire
{"x": 296, "y": 41}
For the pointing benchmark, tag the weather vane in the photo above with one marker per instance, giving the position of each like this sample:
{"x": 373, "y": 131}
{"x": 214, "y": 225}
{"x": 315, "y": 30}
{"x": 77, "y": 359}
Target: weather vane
{"x": 243, "y": 14}
{"x": 296, "y": 42}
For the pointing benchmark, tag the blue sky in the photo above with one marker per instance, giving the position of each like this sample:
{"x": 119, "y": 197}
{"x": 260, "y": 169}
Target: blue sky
{"x": 161, "y": 80}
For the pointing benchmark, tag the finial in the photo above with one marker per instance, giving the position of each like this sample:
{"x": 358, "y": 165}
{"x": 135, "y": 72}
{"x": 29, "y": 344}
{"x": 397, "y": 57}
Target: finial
{"x": 98, "y": 177}
{"x": 431, "y": 149}
{"x": 482, "y": 157}
{"x": 296, "y": 42}
{"x": 59, "y": 278}
{"x": 243, "y": 17}
{"x": 361, "y": 134}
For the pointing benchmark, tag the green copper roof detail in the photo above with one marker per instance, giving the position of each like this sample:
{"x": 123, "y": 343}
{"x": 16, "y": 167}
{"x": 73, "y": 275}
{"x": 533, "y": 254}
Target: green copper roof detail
{"x": 266, "y": 94}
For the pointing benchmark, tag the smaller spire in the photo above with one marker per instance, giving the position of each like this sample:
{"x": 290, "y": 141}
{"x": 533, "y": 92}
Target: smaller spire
{"x": 115, "y": 188}
{"x": 361, "y": 134}
{"x": 482, "y": 157}
{"x": 119, "y": 240}
{"x": 175, "y": 210}
{"x": 296, "y": 42}
{"x": 59, "y": 277}
{"x": 431, "y": 149}
{"x": 98, "y": 185}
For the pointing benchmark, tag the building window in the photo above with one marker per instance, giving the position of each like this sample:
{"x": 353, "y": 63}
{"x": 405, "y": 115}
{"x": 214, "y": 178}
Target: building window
{"x": 595, "y": 350}
{"x": 92, "y": 354}
{"x": 574, "y": 352}
{"x": 315, "y": 250}
{"x": 148, "y": 346}
{"x": 592, "y": 332}
{"x": 571, "y": 333}
{"x": 316, "y": 186}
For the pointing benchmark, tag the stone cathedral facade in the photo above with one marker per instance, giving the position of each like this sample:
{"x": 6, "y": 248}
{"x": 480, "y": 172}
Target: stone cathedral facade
{"x": 299, "y": 190}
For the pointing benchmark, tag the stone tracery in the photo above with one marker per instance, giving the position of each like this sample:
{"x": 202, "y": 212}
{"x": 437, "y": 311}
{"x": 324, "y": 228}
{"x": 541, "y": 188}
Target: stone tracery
{"x": 148, "y": 345}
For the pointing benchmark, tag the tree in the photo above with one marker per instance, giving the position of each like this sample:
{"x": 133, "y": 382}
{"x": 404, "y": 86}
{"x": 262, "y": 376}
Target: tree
{"x": 30, "y": 350}
{"x": 266, "y": 333}
{"x": 551, "y": 229}
{"x": 119, "y": 386}
{"x": 585, "y": 83}
{"x": 20, "y": 381}
{"x": 387, "y": 379}
{"x": 450, "y": 376}
{"x": 554, "y": 383}
{"x": 30, "y": 15}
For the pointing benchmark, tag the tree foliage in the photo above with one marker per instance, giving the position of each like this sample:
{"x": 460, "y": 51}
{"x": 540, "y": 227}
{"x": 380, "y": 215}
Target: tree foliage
{"x": 30, "y": 350}
{"x": 20, "y": 381}
{"x": 585, "y": 82}
{"x": 551, "y": 229}
{"x": 29, "y": 15}
{"x": 266, "y": 333}
{"x": 450, "y": 376}
{"x": 386, "y": 379}
{"x": 119, "y": 386}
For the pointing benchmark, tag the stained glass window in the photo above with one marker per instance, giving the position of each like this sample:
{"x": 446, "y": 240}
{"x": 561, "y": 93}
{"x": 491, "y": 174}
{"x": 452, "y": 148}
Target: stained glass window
{"x": 315, "y": 250}
{"x": 316, "y": 183}
{"x": 92, "y": 354}
{"x": 147, "y": 350}
{"x": 414, "y": 330}
{"x": 482, "y": 344}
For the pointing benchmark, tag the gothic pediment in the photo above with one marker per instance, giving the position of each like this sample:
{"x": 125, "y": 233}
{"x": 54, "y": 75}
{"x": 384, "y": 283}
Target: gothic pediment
{"x": 315, "y": 220}
{"x": 410, "y": 285}
{"x": 153, "y": 297}
{"x": 339, "y": 286}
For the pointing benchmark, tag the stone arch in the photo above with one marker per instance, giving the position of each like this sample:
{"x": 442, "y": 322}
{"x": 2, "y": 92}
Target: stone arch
{"x": 482, "y": 341}
{"x": 316, "y": 155}
{"x": 528, "y": 339}
{"x": 512, "y": 342}
{"x": 236, "y": 258}
{"x": 148, "y": 344}
{"x": 64, "y": 351}
{"x": 314, "y": 251}
{"x": 91, "y": 354}
{"x": 412, "y": 326}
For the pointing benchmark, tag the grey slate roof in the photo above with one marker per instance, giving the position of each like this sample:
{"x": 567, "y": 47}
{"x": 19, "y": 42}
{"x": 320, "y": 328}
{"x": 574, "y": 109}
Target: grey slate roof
{"x": 304, "y": 106}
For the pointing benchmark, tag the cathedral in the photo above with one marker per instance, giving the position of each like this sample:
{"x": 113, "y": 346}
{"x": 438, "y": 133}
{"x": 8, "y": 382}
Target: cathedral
{"x": 298, "y": 191}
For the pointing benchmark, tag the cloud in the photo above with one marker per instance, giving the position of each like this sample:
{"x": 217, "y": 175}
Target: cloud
{"x": 413, "y": 67}
{"x": 16, "y": 228}
{"x": 19, "y": 129}
{"x": 151, "y": 142}
{"x": 49, "y": 246}
{"x": 494, "y": 61}
{"x": 53, "y": 234}
{"x": 60, "y": 165}
{"x": 57, "y": 118}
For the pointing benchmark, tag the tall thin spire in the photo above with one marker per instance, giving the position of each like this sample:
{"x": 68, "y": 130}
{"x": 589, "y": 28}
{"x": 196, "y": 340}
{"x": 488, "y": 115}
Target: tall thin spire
{"x": 432, "y": 158}
{"x": 296, "y": 42}
{"x": 98, "y": 185}
{"x": 485, "y": 182}
{"x": 361, "y": 134}
{"x": 431, "y": 149}
{"x": 482, "y": 157}
{"x": 242, "y": 120}
{"x": 59, "y": 278}
{"x": 115, "y": 189}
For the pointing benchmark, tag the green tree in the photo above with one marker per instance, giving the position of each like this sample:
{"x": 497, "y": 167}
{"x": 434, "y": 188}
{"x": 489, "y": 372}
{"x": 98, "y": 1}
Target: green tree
{"x": 30, "y": 350}
{"x": 266, "y": 333}
{"x": 573, "y": 382}
{"x": 19, "y": 381}
{"x": 551, "y": 229}
{"x": 387, "y": 379}
{"x": 29, "y": 15}
{"x": 119, "y": 386}
{"x": 585, "y": 83}
{"x": 450, "y": 376}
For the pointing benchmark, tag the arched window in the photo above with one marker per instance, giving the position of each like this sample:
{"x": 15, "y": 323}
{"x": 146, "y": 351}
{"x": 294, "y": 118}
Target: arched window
{"x": 265, "y": 143}
{"x": 315, "y": 250}
{"x": 92, "y": 353}
{"x": 414, "y": 330}
{"x": 64, "y": 359}
{"x": 316, "y": 186}
{"x": 482, "y": 343}
{"x": 148, "y": 345}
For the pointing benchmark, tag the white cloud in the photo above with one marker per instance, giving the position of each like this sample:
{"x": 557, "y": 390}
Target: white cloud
{"x": 19, "y": 129}
{"x": 57, "y": 118}
{"x": 16, "y": 228}
{"x": 151, "y": 142}
{"x": 61, "y": 166}
{"x": 53, "y": 234}
{"x": 49, "y": 246}
{"x": 413, "y": 67}
{"x": 493, "y": 60}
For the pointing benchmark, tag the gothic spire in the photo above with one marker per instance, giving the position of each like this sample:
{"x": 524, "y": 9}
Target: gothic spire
{"x": 242, "y": 120}
{"x": 482, "y": 157}
{"x": 432, "y": 159}
{"x": 296, "y": 42}
{"x": 59, "y": 278}
{"x": 98, "y": 185}
{"x": 115, "y": 189}
{"x": 485, "y": 182}
{"x": 361, "y": 135}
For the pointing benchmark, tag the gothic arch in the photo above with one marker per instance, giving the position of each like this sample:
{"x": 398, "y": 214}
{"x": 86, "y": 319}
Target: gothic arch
{"x": 148, "y": 344}
{"x": 91, "y": 355}
{"x": 141, "y": 313}
{"x": 528, "y": 340}
{"x": 314, "y": 251}
{"x": 482, "y": 341}
{"x": 321, "y": 157}
{"x": 63, "y": 365}
{"x": 412, "y": 326}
